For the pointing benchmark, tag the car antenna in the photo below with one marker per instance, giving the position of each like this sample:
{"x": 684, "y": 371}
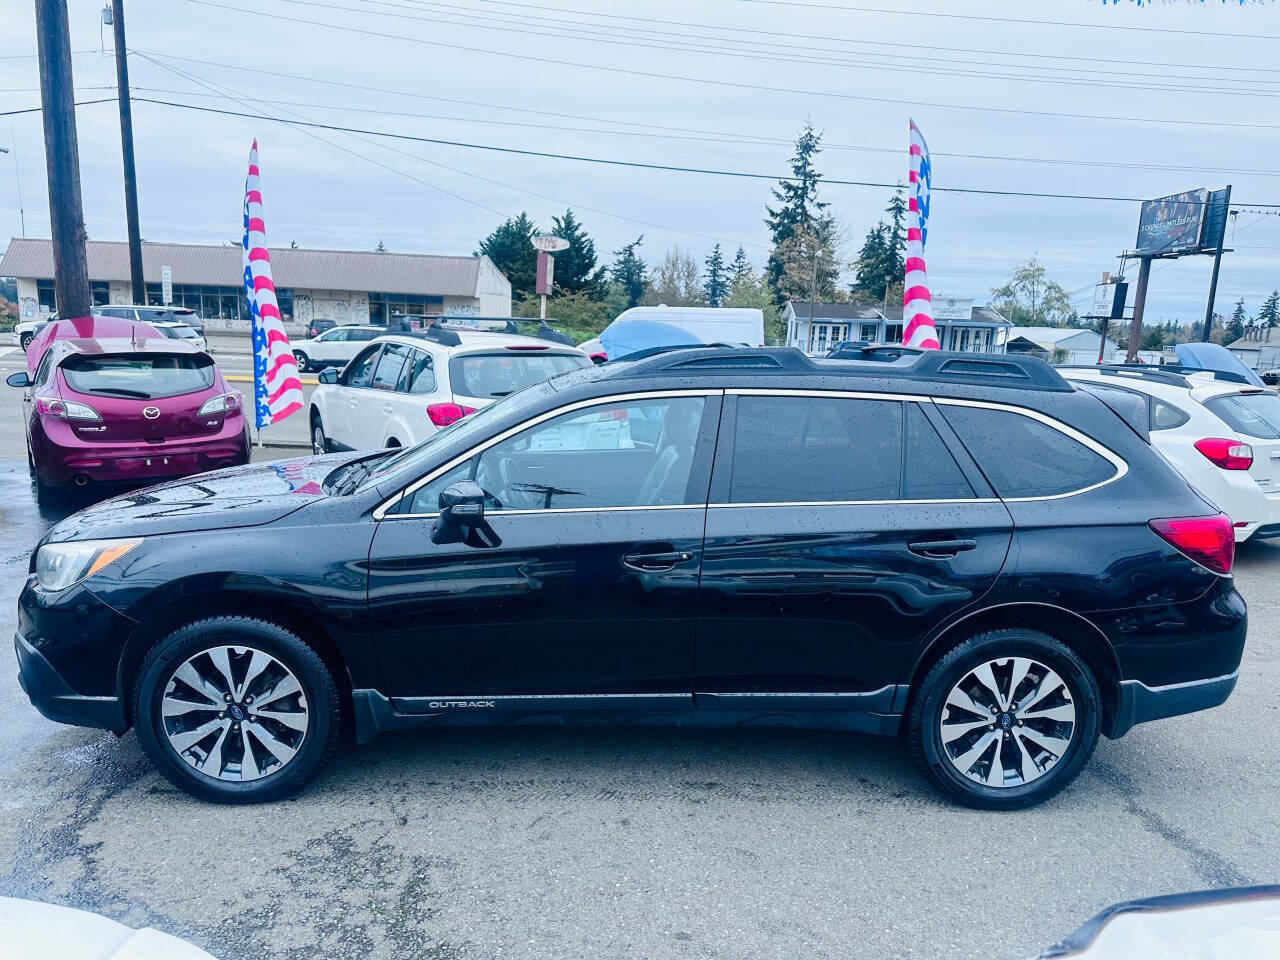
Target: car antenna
{"x": 133, "y": 336}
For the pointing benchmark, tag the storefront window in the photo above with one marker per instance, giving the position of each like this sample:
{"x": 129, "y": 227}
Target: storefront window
{"x": 100, "y": 293}
{"x": 44, "y": 293}
{"x": 383, "y": 306}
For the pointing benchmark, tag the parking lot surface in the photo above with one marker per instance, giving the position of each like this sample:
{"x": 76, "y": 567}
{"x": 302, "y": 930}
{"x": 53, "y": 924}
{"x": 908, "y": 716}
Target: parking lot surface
{"x": 630, "y": 843}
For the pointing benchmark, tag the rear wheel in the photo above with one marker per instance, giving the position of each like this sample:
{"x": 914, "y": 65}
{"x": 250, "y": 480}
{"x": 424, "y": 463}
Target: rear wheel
{"x": 236, "y": 710}
{"x": 300, "y": 358}
{"x": 1004, "y": 720}
{"x": 319, "y": 444}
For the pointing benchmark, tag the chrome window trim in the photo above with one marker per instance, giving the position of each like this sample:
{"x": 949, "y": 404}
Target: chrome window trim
{"x": 380, "y": 512}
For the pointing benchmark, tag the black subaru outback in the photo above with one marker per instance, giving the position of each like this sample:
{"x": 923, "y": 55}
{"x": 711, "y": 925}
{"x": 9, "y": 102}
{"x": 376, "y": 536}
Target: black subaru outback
{"x": 962, "y": 550}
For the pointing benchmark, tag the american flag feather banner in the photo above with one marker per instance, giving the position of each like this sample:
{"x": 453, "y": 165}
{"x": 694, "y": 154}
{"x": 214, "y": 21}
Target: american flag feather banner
{"x": 917, "y": 309}
{"x": 277, "y": 390}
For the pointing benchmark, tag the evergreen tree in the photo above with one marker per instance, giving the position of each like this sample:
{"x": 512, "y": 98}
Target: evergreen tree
{"x": 1269, "y": 313}
{"x": 896, "y": 237}
{"x": 873, "y": 265}
{"x": 380, "y": 248}
{"x": 716, "y": 282}
{"x": 630, "y": 272}
{"x": 798, "y": 209}
{"x": 1235, "y": 326}
{"x": 741, "y": 267}
{"x": 510, "y": 247}
{"x": 576, "y": 270}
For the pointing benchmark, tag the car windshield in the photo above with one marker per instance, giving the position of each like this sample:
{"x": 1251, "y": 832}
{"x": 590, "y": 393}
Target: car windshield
{"x": 421, "y": 454}
{"x": 1253, "y": 414}
{"x": 499, "y": 374}
{"x": 144, "y": 376}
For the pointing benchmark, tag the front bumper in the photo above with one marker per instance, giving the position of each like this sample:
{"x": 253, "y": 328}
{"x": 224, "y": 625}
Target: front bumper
{"x": 52, "y": 695}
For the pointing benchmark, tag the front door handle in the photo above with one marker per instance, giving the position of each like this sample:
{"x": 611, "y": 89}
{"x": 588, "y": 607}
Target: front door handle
{"x": 655, "y": 562}
{"x": 941, "y": 549}
{"x": 387, "y": 408}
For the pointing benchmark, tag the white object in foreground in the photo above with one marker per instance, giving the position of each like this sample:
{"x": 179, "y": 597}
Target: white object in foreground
{"x": 30, "y": 930}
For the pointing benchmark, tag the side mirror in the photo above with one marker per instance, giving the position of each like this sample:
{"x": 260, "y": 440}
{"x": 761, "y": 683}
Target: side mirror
{"x": 462, "y": 517}
{"x": 19, "y": 379}
{"x": 327, "y": 375}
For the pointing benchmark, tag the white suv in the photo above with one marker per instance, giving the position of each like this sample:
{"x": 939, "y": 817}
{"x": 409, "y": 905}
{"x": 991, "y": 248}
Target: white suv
{"x": 1222, "y": 436}
{"x": 404, "y": 387}
{"x": 335, "y": 347}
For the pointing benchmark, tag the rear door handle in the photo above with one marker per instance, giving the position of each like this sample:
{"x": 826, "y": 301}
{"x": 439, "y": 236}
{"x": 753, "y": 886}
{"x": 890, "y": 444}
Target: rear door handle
{"x": 936, "y": 549}
{"x": 656, "y": 562}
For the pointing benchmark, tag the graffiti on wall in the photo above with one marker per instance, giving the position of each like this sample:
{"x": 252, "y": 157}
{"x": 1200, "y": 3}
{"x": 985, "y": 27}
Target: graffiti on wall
{"x": 29, "y": 308}
{"x": 464, "y": 310}
{"x": 302, "y": 308}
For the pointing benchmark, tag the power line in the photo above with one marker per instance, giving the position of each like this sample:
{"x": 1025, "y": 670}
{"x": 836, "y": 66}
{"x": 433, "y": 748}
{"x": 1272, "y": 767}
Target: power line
{"x": 860, "y": 98}
{"x": 827, "y": 38}
{"x": 1037, "y": 23}
{"x": 78, "y": 103}
{"x": 635, "y": 164}
{"x": 562, "y": 29}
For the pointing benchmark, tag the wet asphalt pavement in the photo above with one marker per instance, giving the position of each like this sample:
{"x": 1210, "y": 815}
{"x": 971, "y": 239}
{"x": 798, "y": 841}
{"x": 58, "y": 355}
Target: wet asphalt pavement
{"x": 631, "y": 843}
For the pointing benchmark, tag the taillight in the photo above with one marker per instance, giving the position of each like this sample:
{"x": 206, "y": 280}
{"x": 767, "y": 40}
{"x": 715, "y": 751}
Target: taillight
{"x": 66, "y": 409}
{"x": 443, "y": 414}
{"x": 1227, "y": 454}
{"x": 600, "y": 357}
{"x": 223, "y": 403}
{"x": 1209, "y": 541}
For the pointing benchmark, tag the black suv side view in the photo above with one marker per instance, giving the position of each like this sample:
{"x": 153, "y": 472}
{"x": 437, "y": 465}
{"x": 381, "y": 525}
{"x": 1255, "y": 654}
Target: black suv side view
{"x": 965, "y": 551}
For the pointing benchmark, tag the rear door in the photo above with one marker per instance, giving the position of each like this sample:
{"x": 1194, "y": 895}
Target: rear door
{"x": 377, "y": 416}
{"x": 842, "y": 529}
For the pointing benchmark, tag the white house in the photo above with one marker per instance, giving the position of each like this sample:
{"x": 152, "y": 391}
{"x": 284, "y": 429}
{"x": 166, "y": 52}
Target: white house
{"x": 961, "y": 325}
{"x": 1080, "y": 345}
{"x": 1257, "y": 353}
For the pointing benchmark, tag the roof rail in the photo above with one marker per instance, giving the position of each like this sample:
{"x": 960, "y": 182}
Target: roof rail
{"x": 435, "y": 331}
{"x": 544, "y": 331}
{"x": 1007, "y": 369}
{"x": 1172, "y": 373}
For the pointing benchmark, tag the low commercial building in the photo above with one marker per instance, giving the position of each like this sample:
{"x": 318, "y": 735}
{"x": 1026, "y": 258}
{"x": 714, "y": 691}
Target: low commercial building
{"x": 341, "y": 285}
{"x": 961, "y": 325}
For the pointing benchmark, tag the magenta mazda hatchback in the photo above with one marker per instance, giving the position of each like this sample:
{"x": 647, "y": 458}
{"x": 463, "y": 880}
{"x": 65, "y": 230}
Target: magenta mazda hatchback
{"x": 122, "y": 411}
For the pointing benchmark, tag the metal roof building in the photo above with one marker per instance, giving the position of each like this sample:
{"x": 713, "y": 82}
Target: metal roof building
{"x": 343, "y": 285}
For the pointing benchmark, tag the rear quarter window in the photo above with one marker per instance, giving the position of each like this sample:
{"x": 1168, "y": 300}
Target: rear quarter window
{"x": 1023, "y": 457}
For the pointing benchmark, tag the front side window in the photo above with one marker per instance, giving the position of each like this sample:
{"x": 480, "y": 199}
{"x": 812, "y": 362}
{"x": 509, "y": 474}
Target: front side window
{"x": 390, "y": 368}
{"x": 334, "y": 336}
{"x": 637, "y": 454}
{"x": 816, "y": 450}
{"x": 1023, "y": 457}
{"x": 360, "y": 373}
{"x": 141, "y": 376}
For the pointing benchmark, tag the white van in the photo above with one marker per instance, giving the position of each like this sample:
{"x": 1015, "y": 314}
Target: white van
{"x": 739, "y": 326}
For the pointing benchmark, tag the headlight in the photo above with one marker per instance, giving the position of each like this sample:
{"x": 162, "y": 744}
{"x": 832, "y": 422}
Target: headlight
{"x": 59, "y": 565}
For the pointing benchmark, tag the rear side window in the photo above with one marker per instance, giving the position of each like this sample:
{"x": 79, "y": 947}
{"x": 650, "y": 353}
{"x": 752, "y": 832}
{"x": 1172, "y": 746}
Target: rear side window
{"x": 930, "y": 472}
{"x": 420, "y": 374}
{"x": 492, "y": 375}
{"x": 386, "y": 376}
{"x": 816, "y": 449}
{"x": 1023, "y": 457}
{"x": 141, "y": 376}
{"x": 1254, "y": 414}
{"x": 1165, "y": 416}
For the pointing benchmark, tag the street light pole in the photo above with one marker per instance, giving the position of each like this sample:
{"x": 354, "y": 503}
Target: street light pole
{"x": 126, "y": 146}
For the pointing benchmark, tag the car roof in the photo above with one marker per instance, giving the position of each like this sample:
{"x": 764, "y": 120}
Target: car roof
{"x": 481, "y": 341}
{"x": 1199, "y": 384}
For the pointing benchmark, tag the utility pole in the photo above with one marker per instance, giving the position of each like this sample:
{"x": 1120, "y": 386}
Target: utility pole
{"x": 1139, "y": 307}
{"x": 126, "y": 145}
{"x": 1217, "y": 262}
{"x": 62, "y": 159}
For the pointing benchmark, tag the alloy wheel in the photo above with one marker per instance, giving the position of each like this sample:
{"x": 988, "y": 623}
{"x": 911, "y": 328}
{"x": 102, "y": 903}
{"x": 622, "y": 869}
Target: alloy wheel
{"x": 1008, "y": 722}
{"x": 317, "y": 439}
{"x": 235, "y": 713}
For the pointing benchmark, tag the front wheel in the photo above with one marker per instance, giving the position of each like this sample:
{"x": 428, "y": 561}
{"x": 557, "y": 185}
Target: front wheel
{"x": 236, "y": 710}
{"x": 1004, "y": 720}
{"x": 319, "y": 444}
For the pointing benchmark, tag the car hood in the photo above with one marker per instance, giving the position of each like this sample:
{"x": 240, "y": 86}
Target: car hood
{"x": 237, "y": 497}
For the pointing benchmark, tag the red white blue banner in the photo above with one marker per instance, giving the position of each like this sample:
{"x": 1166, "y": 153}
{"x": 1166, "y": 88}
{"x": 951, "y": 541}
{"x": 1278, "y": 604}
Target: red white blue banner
{"x": 917, "y": 309}
{"x": 277, "y": 389}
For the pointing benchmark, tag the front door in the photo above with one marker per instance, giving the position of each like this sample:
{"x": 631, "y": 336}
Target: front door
{"x": 586, "y": 596}
{"x": 841, "y": 531}
{"x": 351, "y": 404}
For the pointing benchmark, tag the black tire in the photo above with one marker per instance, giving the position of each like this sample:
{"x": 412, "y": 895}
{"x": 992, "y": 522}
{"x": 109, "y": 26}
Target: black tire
{"x": 324, "y": 711}
{"x": 300, "y": 358}
{"x": 46, "y": 495}
{"x": 26, "y": 341}
{"x": 925, "y": 714}
{"x": 319, "y": 442}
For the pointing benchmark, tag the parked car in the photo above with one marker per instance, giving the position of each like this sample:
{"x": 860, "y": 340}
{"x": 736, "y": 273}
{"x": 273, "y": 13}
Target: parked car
{"x": 319, "y": 326}
{"x": 404, "y": 387}
{"x": 26, "y": 330}
{"x": 150, "y": 313}
{"x": 728, "y": 325}
{"x": 127, "y": 411}
{"x": 333, "y": 347}
{"x": 1271, "y": 377}
{"x": 966, "y": 550}
{"x": 180, "y": 331}
{"x": 1222, "y": 435}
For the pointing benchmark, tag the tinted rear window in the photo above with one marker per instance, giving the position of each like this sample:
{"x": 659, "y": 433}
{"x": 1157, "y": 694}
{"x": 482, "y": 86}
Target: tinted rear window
{"x": 1254, "y": 414}
{"x": 498, "y": 374}
{"x": 816, "y": 449}
{"x": 140, "y": 376}
{"x": 1023, "y": 457}
{"x": 931, "y": 471}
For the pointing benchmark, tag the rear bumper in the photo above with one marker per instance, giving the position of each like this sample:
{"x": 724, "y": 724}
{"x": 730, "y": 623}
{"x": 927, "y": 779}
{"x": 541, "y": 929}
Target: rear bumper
{"x": 1139, "y": 703}
{"x": 52, "y": 695}
{"x": 59, "y": 465}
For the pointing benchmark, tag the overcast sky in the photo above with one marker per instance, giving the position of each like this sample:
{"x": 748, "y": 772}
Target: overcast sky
{"x": 975, "y": 81}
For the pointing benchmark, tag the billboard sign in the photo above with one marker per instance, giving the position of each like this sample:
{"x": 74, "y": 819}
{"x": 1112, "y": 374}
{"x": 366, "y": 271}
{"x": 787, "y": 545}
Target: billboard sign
{"x": 545, "y": 281}
{"x": 1215, "y": 218}
{"x": 545, "y": 243}
{"x": 1109, "y": 299}
{"x": 952, "y": 308}
{"x": 1173, "y": 224}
